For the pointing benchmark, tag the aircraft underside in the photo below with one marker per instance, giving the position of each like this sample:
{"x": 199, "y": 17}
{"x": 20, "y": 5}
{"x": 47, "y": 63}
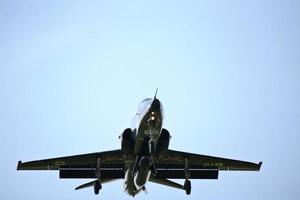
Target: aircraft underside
{"x": 144, "y": 156}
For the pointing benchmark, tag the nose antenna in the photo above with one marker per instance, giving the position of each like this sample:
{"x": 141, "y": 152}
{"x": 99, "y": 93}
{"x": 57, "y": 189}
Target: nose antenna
{"x": 155, "y": 93}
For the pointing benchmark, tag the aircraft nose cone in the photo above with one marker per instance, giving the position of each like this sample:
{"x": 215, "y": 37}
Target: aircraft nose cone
{"x": 155, "y": 105}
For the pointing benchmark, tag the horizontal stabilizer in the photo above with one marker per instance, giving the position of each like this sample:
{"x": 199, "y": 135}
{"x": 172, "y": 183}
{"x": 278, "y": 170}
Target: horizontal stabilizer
{"x": 91, "y": 184}
{"x": 166, "y": 182}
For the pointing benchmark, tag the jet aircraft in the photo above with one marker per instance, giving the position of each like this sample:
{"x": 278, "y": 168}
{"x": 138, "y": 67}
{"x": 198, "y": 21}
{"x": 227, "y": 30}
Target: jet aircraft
{"x": 144, "y": 156}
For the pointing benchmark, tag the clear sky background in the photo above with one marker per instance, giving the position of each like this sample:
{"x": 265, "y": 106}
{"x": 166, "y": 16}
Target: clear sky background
{"x": 73, "y": 72}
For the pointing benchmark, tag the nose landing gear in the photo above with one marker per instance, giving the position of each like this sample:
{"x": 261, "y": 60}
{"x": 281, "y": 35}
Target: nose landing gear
{"x": 151, "y": 147}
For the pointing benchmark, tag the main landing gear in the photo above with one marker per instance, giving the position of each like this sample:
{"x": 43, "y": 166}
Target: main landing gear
{"x": 187, "y": 183}
{"x": 97, "y": 187}
{"x": 187, "y": 186}
{"x": 97, "y": 184}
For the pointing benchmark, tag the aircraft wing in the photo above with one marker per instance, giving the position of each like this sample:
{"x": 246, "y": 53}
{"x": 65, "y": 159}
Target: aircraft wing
{"x": 180, "y": 165}
{"x": 204, "y": 162}
{"x": 110, "y": 163}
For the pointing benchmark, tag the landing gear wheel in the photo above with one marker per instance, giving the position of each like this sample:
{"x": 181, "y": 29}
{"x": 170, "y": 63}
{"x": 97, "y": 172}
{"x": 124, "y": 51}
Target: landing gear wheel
{"x": 97, "y": 187}
{"x": 187, "y": 186}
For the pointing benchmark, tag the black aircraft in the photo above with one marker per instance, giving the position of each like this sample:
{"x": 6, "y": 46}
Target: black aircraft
{"x": 144, "y": 156}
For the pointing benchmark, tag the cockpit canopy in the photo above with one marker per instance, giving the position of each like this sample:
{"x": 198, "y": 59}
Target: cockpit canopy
{"x": 145, "y": 105}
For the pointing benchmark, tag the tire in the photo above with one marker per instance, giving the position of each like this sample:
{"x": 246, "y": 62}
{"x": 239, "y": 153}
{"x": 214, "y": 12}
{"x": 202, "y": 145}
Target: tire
{"x": 97, "y": 187}
{"x": 187, "y": 187}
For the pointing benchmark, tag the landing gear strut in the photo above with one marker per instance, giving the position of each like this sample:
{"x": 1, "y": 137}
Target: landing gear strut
{"x": 97, "y": 184}
{"x": 151, "y": 146}
{"x": 152, "y": 167}
{"x": 136, "y": 164}
{"x": 187, "y": 183}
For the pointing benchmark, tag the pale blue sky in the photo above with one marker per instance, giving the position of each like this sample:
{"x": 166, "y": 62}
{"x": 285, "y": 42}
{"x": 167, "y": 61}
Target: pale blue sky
{"x": 73, "y": 72}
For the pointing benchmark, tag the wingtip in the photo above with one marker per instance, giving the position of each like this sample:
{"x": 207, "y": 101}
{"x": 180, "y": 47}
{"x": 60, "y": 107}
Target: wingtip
{"x": 259, "y": 165}
{"x": 19, "y": 165}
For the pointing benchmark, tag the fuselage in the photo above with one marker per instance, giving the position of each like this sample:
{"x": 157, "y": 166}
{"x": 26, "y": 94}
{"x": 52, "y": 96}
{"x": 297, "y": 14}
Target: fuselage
{"x": 147, "y": 125}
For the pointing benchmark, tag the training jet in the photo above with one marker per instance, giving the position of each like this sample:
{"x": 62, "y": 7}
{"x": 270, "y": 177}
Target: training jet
{"x": 144, "y": 156}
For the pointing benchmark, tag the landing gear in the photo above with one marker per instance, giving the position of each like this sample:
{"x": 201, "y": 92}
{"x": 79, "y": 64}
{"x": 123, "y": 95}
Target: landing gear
{"x": 151, "y": 146}
{"x": 187, "y": 183}
{"x": 97, "y": 187}
{"x": 97, "y": 184}
{"x": 187, "y": 186}
{"x": 152, "y": 167}
{"x": 136, "y": 165}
